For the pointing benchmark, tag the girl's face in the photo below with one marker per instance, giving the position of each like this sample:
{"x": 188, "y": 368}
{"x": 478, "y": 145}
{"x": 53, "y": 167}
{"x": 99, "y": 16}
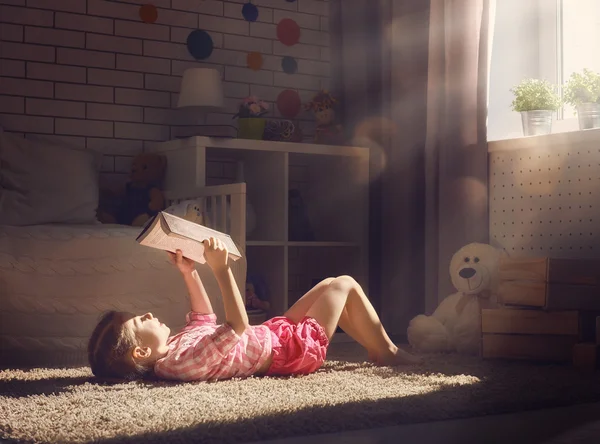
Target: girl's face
{"x": 149, "y": 330}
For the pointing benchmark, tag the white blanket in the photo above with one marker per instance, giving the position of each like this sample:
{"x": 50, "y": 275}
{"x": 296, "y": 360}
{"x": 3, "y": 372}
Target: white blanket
{"x": 57, "y": 280}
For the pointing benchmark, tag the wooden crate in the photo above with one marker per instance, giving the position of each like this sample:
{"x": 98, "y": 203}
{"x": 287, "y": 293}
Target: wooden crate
{"x": 532, "y": 322}
{"x": 511, "y": 333}
{"x": 529, "y": 347}
{"x": 550, "y": 283}
{"x": 588, "y": 320}
{"x": 586, "y": 356}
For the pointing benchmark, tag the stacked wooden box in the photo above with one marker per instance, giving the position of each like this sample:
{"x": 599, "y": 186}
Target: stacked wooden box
{"x": 549, "y": 311}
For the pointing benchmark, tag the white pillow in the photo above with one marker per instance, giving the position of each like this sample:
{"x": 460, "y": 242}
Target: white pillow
{"x": 43, "y": 182}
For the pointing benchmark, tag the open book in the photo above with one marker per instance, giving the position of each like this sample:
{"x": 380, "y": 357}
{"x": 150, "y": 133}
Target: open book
{"x": 170, "y": 233}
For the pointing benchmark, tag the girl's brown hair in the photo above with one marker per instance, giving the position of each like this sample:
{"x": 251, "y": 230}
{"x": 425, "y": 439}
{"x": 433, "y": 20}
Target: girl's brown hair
{"x": 109, "y": 349}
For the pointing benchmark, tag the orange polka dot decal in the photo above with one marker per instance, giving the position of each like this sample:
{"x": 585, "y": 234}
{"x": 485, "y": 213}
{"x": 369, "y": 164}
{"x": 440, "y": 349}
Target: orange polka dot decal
{"x": 254, "y": 61}
{"x": 148, "y": 13}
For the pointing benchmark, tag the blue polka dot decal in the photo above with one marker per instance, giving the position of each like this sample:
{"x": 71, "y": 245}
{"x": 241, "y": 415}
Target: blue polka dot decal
{"x": 289, "y": 65}
{"x": 200, "y": 44}
{"x": 250, "y": 12}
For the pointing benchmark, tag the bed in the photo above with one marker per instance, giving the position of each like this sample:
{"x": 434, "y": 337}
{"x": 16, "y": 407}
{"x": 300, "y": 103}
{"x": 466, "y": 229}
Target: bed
{"x": 56, "y": 279}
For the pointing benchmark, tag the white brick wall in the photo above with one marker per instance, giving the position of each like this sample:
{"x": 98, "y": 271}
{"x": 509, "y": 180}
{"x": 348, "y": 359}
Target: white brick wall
{"x": 54, "y": 108}
{"x": 54, "y": 37}
{"x": 11, "y": 68}
{"x": 10, "y": 32}
{"x": 22, "y": 51}
{"x": 90, "y": 73}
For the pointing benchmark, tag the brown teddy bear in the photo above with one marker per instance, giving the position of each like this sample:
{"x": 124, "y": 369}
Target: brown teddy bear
{"x": 142, "y": 197}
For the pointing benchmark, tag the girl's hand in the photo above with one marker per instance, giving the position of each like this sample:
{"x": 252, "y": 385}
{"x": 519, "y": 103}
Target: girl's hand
{"x": 216, "y": 254}
{"x": 184, "y": 264}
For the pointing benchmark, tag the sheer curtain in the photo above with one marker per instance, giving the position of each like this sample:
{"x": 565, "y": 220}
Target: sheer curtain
{"x": 412, "y": 76}
{"x": 456, "y": 143}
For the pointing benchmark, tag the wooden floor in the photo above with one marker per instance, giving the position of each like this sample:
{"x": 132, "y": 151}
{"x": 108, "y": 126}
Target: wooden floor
{"x": 575, "y": 424}
{"x": 566, "y": 425}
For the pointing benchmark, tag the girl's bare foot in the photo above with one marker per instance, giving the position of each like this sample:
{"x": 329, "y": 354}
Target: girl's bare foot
{"x": 372, "y": 356}
{"x": 395, "y": 356}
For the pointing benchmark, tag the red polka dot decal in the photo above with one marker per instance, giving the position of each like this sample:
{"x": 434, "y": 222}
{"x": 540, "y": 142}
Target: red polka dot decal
{"x": 288, "y": 32}
{"x": 289, "y": 103}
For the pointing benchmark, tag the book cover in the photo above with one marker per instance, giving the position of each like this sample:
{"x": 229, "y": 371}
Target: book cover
{"x": 170, "y": 233}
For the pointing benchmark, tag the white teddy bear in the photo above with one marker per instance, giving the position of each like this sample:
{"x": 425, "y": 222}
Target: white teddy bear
{"x": 455, "y": 325}
{"x": 187, "y": 209}
{"x": 191, "y": 210}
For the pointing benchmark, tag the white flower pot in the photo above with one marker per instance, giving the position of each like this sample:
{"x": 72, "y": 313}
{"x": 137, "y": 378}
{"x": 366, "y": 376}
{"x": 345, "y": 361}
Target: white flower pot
{"x": 537, "y": 122}
{"x": 588, "y": 115}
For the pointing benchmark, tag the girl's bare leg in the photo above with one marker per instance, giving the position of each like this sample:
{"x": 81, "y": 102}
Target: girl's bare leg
{"x": 363, "y": 324}
{"x": 297, "y": 311}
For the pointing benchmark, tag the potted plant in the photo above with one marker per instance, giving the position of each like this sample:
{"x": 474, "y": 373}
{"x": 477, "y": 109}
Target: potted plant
{"x": 251, "y": 123}
{"x": 536, "y": 100}
{"x": 582, "y": 91}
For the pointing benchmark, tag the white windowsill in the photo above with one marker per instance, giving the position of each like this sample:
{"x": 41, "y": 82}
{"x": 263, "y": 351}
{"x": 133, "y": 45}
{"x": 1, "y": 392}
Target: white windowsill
{"x": 573, "y": 138}
{"x": 567, "y": 125}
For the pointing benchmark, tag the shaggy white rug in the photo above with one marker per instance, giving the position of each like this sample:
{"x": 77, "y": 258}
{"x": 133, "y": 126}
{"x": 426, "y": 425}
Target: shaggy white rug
{"x": 68, "y": 405}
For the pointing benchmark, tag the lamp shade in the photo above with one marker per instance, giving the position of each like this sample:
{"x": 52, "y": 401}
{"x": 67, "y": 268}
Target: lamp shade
{"x": 201, "y": 87}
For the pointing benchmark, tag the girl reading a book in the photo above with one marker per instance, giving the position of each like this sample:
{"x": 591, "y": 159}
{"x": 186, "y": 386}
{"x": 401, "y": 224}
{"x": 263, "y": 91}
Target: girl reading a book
{"x": 127, "y": 346}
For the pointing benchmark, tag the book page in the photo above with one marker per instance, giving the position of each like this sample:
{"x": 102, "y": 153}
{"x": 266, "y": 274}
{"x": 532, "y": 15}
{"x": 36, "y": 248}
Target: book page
{"x": 191, "y": 250}
{"x": 155, "y": 233}
{"x": 151, "y": 224}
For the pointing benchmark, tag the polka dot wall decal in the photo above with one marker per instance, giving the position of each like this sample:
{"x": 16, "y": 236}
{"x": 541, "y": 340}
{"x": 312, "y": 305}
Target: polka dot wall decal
{"x": 288, "y": 32}
{"x": 288, "y": 103}
{"x": 200, "y": 44}
{"x": 148, "y": 13}
{"x": 254, "y": 61}
{"x": 250, "y": 12}
{"x": 289, "y": 65}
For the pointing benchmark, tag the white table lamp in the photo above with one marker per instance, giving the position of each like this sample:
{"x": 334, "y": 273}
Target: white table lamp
{"x": 201, "y": 88}
{"x": 202, "y": 91}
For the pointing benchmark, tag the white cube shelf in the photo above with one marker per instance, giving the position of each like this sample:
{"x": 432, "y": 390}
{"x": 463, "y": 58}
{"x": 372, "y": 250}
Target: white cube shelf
{"x": 333, "y": 182}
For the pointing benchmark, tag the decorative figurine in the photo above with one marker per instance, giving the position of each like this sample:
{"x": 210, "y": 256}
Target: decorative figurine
{"x": 327, "y": 132}
{"x": 256, "y": 293}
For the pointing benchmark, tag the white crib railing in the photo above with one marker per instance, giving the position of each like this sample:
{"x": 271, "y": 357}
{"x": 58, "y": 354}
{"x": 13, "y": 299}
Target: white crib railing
{"x": 223, "y": 208}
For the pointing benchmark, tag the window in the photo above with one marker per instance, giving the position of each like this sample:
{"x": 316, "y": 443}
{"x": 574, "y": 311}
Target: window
{"x": 547, "y": 39}
{"x": 580, "y": 38}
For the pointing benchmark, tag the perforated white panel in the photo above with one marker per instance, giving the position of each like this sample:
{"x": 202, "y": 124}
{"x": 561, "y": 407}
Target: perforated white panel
{"x": 545, "y": 201}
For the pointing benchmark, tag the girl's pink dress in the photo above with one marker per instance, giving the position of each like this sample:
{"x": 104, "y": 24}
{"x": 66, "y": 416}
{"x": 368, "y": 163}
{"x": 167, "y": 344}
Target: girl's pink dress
{"x": 298, "y": 349}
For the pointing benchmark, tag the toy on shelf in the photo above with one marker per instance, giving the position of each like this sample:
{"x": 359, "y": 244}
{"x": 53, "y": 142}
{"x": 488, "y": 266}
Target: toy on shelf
{"x": 251, "y": 123}
{"x": 256, "y": 294}
{"x": 299, "y": 225}
{"x": 282, "y": 131}
{"x": 328, "y": 132}
{"x": 142, "y": 197}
